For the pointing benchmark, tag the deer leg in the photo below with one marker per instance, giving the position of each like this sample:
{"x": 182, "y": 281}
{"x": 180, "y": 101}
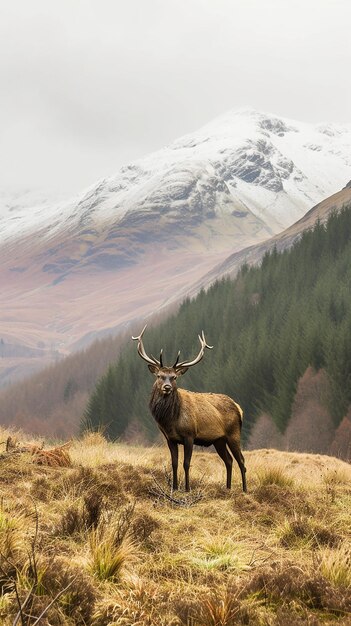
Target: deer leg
{"x": 188, "y": 451}
{"x": 222, "y": 451}
{"x": 173, "y": 446}
{"x": 238, "y": 456}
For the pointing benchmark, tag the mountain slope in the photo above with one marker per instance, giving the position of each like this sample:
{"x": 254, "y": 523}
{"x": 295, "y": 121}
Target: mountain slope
{"x": 254, "y": 254}
{"x": 133, "y": 241}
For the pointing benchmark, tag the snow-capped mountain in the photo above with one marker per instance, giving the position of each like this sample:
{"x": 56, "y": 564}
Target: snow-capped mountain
{"x": 130, "y": 243}
{"x": 243, "y": 165}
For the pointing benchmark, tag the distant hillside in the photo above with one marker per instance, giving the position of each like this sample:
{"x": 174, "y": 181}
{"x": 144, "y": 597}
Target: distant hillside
{"x": 51, "y": 402}
{"x": 268, "y": 326}
{"x": 18, "y": 360}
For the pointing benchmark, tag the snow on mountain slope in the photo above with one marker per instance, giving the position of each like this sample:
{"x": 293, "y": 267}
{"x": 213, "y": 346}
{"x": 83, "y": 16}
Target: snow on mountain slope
{"x": 276, "y": 167}
{"x": 23, "y": 210}
{"x": 242, "y": 162}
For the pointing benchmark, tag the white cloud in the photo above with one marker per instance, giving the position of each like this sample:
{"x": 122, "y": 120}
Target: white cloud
{"x": 89, "y": 85}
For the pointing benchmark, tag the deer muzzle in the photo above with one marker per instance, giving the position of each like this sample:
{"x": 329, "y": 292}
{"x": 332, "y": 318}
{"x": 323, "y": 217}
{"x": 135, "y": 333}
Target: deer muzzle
{"x": 166, "y": 389}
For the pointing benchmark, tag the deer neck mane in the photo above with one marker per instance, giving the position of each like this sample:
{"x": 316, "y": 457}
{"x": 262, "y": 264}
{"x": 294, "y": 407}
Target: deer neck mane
{"x": 165, "y": 409}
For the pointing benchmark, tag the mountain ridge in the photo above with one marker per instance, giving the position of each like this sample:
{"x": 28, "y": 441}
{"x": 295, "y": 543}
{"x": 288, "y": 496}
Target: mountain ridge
{"x": 240, "y": 148}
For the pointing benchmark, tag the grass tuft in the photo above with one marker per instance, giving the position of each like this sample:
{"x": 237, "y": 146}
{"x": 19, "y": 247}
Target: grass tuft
{"x": 108, "y": 561}
{"x": 220, "y": 553}
{"x": 335, "y": 565}
{"x": 14, "y": 544}
{"x": 112, "y": 547}
{"x": 333, "y": 480}
{"x": 219, "y": 610}
{"x": 274, "y": 475}
{"x": 301, "y": 531}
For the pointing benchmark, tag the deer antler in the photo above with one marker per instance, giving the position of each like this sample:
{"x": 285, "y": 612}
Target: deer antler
{"x": 177, "y": 359}
{"x": 199, "y": 356}
{"x": 141, "y": 351}
{"x": 153, "y": 361}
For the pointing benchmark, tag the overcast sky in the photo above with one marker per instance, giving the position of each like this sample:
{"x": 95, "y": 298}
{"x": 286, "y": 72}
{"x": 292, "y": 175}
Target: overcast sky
{"x": 89, "y": 85}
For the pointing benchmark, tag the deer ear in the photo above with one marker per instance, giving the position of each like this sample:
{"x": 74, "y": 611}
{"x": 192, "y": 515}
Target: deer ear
{"x": 153, "y": 369}
{"x": 182, "y": 371}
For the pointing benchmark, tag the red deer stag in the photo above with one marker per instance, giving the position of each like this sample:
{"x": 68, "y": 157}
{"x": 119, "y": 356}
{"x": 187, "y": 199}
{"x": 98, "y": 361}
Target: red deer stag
{"x": 189, "y": 418}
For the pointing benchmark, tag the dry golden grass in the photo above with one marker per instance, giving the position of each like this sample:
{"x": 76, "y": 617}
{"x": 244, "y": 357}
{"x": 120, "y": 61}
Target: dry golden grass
{"x": 123, "y": 556}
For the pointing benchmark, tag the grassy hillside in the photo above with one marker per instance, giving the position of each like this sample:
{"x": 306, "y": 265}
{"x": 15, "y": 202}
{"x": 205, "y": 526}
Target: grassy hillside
{"x": 111, "y": 545}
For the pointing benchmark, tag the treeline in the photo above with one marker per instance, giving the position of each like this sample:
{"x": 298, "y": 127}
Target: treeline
{"x": 268, "y": 326}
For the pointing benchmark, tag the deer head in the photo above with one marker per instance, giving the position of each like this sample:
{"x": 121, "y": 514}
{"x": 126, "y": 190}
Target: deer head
{"x": 166, "y": 376}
